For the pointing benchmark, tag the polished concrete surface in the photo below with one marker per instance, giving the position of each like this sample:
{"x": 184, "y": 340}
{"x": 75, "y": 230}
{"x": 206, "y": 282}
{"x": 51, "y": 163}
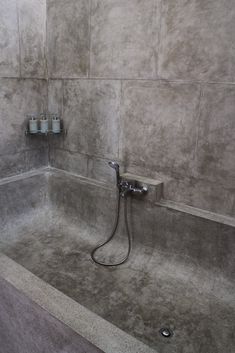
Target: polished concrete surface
{"x": 149, "y": 83}
{"x": 149, "y": 292}
{"x": 25, "y": 327}
{"x": 98, "y": 331}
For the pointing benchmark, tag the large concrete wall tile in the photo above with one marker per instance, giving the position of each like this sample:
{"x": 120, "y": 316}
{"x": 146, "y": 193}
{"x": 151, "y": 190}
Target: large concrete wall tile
{"x": 159, "y": 123}
{"x": 216, "y": 143}
{"x": 36, "y": 158}
{"x": 197, "y": 40}
{"x": 12, "y": 164}
{"x": 21, "y": 162}
{"x": 55, "y": 106}
{"x": 55, "y": 97}
{"x": 201, "y": 193}
{"x": 99, "y": 169}
{"x": 124, "y": 38}
{"x": 32, "y": 24}
{"x": 72, "y": 162}
{"x": 17, "y": 99}
{"x": 91, "y": 116}
{"x": 9, "y": 39}
{"x": 68, "y": 38}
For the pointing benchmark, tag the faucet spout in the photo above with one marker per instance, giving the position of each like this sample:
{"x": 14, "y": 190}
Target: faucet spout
{"x": 127, "y": 188}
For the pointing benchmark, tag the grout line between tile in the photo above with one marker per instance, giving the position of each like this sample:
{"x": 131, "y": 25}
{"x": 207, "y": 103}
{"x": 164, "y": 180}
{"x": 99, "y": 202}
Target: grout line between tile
{"x": 159, "y": 35}
{"x": 183, "y": 82}
{"x": 46, "y": 47}
{"x": 89, "y": 65}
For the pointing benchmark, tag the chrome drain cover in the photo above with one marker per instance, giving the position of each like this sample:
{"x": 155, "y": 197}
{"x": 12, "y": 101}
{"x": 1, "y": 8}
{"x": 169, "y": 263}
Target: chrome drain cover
{"x": 166, "y": 332}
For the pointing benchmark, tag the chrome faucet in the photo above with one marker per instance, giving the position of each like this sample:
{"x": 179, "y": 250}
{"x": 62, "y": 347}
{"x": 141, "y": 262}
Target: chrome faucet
{"x": 126, "y": 187}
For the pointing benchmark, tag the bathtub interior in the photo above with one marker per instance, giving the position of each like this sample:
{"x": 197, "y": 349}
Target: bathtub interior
{"x": 180, "y": 274}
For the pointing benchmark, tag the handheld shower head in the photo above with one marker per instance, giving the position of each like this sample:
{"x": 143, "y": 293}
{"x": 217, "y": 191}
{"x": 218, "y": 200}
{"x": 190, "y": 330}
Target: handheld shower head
{"x": 116, "y": 167}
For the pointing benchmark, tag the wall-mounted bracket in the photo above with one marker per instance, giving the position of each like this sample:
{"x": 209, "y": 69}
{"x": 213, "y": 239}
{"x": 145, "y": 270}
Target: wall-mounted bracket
{"x": 49, "y": 132}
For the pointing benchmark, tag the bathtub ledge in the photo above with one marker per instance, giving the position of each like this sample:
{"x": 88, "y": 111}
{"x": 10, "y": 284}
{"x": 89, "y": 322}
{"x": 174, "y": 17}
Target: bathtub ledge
{"x": 215, "y": 217}
{"x": 98, "y": 331}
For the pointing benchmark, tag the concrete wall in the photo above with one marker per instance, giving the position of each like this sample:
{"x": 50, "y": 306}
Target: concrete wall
{"x": 151, "y": 84}
{"x": 148, "y": 83}
{"x": 23, "y": 89}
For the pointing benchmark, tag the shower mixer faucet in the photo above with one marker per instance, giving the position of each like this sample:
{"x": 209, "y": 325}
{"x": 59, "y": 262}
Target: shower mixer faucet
{"x": 126, "y": 187}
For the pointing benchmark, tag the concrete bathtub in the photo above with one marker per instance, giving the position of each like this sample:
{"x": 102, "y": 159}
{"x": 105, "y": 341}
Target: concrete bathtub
{"x": 180, "y": 274}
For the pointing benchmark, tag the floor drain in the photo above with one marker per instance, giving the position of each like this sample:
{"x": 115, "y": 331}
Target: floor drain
{"x": 166, "y": 332}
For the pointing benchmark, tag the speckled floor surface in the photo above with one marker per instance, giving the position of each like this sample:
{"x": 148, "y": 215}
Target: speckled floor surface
{"x": 26, "y": 328}
{"x": 151, "y": 291}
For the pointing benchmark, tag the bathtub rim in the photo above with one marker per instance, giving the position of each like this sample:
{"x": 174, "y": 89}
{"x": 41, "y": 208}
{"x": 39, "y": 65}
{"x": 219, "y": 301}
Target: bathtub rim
{"x": 163, "y": 203}
{"x": 98, "y": 331}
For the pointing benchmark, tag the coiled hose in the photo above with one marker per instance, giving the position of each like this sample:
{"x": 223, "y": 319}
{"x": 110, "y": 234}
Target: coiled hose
{"x": 114, "y": 232}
